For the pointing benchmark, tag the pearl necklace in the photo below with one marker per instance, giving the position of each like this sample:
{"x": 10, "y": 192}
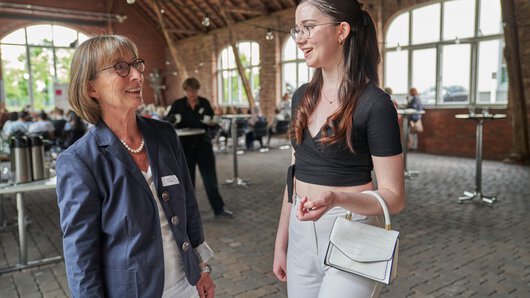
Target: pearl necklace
{"x": 135, "y": 151}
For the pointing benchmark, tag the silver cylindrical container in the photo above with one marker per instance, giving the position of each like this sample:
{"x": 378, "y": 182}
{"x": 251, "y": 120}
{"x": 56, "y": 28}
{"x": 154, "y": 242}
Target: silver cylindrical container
{"x": 20, "y": 159}
{"x": 37, "y": 157}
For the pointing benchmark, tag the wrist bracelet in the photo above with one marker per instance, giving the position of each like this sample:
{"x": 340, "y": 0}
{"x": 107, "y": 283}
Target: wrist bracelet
{"x": 206, "y": 269}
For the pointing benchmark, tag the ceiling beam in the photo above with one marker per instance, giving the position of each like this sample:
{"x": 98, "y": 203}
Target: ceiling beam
{"x": 185, "y": 31}
{"x": 44, "y": 11}
{"x": 177, "y": 18}
{"x": 247, "y": 11}
{"x": 170, "y": 43}
{"x": 292, "y": 3}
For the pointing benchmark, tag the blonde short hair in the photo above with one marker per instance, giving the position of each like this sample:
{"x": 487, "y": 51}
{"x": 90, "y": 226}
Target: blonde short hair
{"x": 89, "y": 57}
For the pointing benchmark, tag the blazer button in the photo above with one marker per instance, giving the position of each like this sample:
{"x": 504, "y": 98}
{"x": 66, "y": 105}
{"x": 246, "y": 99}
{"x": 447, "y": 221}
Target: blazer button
{"x": 175, "y": 220}
{"x": 185, "y": 246}
{"x": 165, "y": 196}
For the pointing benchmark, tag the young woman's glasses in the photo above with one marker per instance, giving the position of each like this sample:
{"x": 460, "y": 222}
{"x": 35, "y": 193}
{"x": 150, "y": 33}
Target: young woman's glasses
{"x": 305, "y": 32}
{"x": 123, "y": 68}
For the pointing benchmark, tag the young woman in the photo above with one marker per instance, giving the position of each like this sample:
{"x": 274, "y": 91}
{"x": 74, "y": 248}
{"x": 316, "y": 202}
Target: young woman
{"x": 343, "y": 126}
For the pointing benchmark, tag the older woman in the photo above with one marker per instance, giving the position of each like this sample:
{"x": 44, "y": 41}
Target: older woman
{"x": 130, "y": 221}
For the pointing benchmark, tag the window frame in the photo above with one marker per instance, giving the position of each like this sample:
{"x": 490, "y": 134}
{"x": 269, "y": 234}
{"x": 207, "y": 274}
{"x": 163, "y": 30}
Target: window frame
{"x": 251, "y": 68}
{"x": 473, "y": 41}
{"x": 297, "y": 61}
{"x": 28, "y": 46}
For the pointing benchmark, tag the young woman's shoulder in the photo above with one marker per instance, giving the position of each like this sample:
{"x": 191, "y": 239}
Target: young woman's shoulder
{"x": 298, "y": 94}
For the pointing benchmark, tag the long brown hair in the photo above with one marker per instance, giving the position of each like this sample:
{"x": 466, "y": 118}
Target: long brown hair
{"x": 360, "y": 56}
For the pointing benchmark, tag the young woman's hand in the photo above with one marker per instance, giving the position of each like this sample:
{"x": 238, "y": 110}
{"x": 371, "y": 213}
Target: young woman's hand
{"x": 279, "y": 266}
{"x": 316, "y": 207}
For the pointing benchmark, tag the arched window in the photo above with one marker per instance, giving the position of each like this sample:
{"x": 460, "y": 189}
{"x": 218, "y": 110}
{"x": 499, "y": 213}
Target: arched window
{"x": 35, "y": 64}
{"x": 295, "y": 71}
{"x": 231, "y": 90}
{"x": 451, "y": 51}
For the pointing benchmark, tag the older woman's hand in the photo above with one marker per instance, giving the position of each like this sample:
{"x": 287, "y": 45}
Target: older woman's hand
{"x": 205, "y": 286}
{"x": 316, "y": 207}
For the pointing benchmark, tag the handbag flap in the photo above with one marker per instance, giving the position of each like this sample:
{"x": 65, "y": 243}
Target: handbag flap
{"x": 362, "y": 242}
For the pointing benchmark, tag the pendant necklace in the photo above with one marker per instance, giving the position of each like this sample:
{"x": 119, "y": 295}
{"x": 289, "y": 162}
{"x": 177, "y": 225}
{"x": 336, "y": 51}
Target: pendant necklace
{"x": 135, "y": 151}
{"x": 326, "y": 98}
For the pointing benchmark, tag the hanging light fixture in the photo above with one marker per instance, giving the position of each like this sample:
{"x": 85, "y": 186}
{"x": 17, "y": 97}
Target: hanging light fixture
{"x": 206, "y": 21}
{"x": 269, "y": 35}
{"x": 131, "y": 1}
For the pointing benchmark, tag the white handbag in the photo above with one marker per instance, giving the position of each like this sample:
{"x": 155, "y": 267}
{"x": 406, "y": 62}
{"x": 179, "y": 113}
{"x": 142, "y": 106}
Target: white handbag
{"x": 362, "y": 249}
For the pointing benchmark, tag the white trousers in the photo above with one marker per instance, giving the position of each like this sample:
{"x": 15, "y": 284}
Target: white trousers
{"x": 307, "y": 276}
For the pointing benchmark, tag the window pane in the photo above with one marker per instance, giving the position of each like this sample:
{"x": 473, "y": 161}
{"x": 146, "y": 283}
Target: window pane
{"x": 244, "y": 53}
{"x": 15, "y": 76}
{"x": 41, "y": 60}
{"x": 64, "y": 59}
{"x": 255, "y": 81}
{"x": 63, "y": 37}
{"x": 289, "y": 77}
{"x": 492, "y": 76}
{"x": 289, "y": 50}
{"x": 424, "y": 74}
{"x": 303, "y": 74}
{"x": 426, "y": 24}
{"x": 231, "y": 62}
{"x": 255, "y": 54}
{"x": 398, "y": 31}
{"x": 40, "y": 35}
{"x": 396, "y": 71}
{"x": 459, "y": 19}
{"x": 226, "y": 88}
{"x": 234, "y": 87}
{"x": 490, "y": 17}
{"x": 455, "y": 73}
{"x": 17, "y": 37}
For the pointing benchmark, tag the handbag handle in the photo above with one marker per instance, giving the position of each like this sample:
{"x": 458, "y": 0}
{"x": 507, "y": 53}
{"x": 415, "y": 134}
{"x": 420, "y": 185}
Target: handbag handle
{"x": 388, "y": 225}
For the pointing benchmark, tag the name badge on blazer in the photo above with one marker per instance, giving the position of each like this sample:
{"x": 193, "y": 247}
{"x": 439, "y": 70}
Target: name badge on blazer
{"x": 170, "y": 180}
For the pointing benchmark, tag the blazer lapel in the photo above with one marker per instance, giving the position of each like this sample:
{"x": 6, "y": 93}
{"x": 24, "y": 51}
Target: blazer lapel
{"x": 106, "y": 138}
{"x": 151, "y": 145}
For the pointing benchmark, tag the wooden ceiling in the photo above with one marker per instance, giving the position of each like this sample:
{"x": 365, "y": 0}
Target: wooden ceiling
{"x": 184, "y": 18}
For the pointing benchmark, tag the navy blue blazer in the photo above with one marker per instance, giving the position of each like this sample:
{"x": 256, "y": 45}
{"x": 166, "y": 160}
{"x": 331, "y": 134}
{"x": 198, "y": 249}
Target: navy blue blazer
{"x": 111, "y": 229}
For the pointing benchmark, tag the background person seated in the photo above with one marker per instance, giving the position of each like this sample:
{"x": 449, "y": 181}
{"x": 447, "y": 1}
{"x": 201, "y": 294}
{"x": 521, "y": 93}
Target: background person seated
{"x": 42, "y": 126}
{"x": 257, "y": 128}
{"x": 20, "y": 126}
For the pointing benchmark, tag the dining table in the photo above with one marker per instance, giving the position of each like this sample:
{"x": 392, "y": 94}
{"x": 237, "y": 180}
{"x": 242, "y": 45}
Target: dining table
{"x": 406, "y": 114}
{"x": 19, "y": 190}
{"x": 235, "y": 180}
{"x": 479, "y": 143}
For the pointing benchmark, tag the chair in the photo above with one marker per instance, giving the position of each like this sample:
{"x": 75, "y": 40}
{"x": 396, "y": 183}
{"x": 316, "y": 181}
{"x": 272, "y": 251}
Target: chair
{"x": 260, "y": 131}
{"x": 282, "y": 127}
{"x": 241, "y": 126}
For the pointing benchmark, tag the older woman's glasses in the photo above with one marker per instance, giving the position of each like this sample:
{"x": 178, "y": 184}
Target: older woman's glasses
{"x": 305, "y": 32}
{"x": 123, "y": 68}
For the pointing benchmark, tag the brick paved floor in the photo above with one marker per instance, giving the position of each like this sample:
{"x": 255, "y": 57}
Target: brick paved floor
{"x": 447, "y": 249}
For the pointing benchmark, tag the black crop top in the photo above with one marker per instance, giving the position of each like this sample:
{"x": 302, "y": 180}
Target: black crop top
{"x": 376, "y": 132}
